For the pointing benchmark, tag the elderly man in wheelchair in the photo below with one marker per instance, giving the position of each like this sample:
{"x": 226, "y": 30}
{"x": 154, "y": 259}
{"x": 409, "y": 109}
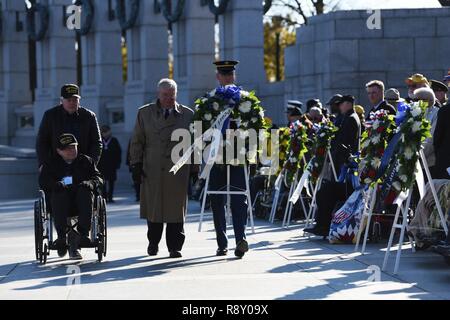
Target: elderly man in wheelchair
{"x": 70, "y": 181}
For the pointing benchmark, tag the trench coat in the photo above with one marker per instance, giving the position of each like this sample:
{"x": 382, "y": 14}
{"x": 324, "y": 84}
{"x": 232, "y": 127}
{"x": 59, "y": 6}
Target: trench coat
{"x": 163, "y": 194}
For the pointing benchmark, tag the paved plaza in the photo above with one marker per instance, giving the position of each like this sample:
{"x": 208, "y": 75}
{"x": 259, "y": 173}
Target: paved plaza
{"x": 280, "y": 265}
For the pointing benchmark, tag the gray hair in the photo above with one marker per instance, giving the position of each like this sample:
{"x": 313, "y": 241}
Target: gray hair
{"x": 167, "y": 84}
{"x": 425, "y": 94}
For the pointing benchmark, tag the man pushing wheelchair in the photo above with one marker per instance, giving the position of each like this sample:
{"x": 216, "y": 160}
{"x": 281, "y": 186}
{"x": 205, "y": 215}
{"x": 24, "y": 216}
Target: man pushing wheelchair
{"x": 70, "y": 180}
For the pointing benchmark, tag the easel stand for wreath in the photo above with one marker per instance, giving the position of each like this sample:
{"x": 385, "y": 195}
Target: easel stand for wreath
{"x": 228, "y": 192}
{"x": 294, "y": 186}
{"x": 313, "y": 207}
{"x": 402, "y": 214}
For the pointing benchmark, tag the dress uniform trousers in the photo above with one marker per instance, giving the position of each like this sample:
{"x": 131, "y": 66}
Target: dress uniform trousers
{"x": 239, "y": 206}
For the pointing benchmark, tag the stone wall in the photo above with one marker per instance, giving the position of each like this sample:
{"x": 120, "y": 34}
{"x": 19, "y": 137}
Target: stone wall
{"x": 338, "y": 53}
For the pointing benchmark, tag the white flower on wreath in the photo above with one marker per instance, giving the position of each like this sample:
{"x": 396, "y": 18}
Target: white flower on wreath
{"x": 416, "y": 126}
{"x": 397, "y": 186}
{"x": 245, "y": 107}
{"x": 376, "y": 162}
{"x": 197, "y": 107}
{"x": 365, "y": 144}
{"x": 294, "y": 160}
{"x": 261, "y": 114}
{"x": 322, "y": 134}
{"x": 204, "y": 100}
{"x": 403, "y": 178}
{"x": 216, "y": 106}
{"x": 244, "y": 124}
{"x": 245, "y": 94}
{"x": 409, "y": 153}
{"x": 208, "y": 116}
{"x": 212, "y": 93}
{"x": 376, "y": 139}
{"x": 254, "y": 120}
{"x": 416, "y": 111}
{"x": 367, "y": 180}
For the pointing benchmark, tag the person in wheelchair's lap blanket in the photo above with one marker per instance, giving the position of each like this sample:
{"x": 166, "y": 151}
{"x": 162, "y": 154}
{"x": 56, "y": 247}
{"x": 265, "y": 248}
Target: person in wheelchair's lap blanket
{"x": 70, "y": 180}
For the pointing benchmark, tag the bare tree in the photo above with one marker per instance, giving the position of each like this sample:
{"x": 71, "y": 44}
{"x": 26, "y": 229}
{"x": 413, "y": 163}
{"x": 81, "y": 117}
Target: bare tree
{"x": 304, "y": 9}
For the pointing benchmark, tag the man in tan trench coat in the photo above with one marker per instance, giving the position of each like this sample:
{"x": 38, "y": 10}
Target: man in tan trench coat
{"x": 163, "y": 194}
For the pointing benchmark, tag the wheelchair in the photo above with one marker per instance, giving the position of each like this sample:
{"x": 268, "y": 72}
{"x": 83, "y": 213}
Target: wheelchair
{"x": 44, "y": 228}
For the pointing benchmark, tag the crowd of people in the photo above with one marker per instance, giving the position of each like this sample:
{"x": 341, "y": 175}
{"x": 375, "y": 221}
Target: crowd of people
{"x": 77, "y": 158}
{"x": 352, "y": 120}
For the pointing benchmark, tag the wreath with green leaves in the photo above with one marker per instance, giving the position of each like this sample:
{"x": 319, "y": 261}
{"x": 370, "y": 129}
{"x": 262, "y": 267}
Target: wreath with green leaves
{"x": 297, "y": 148}
{"x": 321, "y": 144}
{"x": 247, "y": 112}
{"x": 414, "y": 130}
{"x": 373, "y": 145}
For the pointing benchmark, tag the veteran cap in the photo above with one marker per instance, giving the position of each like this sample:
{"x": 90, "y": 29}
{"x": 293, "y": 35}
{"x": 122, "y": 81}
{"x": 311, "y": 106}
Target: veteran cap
{"x": 438, "y": 86}
{"x": 346, "y": 98}
{"x": 334, "y": 99}
{"x": 313, "y": 103}
{"x": 294, "y": 108}
{"x": 417, "y": 79}
{"x": 393, "y": 94}
{"x": 226, "y": 66}
{"x": 69, "y": 91}
{"x": 65, "y": 140}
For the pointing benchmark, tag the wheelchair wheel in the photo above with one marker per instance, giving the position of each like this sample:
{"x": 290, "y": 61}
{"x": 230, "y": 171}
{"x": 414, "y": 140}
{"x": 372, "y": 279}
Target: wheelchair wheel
{"x": 102, "y": 231}
{"x": 41, "y": 240}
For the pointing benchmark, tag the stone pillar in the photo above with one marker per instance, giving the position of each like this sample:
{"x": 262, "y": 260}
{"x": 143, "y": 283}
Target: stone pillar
{"x": 56, "y": 61}
{"x": 14, "y": 80}
{"x": 242, "y": 38}
{"x": 193, "y": 39}
{"x": 102, "y": 80}
{"x": 147, "y": 45}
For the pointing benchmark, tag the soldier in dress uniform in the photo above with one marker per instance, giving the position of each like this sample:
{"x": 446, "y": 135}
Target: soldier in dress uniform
{"x": 218, "y": 181}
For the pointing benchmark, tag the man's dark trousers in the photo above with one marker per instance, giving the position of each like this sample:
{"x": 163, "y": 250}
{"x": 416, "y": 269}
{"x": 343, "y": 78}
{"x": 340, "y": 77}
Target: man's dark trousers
{"x": 77, "y": 200}
{"x": 174, "y": 235}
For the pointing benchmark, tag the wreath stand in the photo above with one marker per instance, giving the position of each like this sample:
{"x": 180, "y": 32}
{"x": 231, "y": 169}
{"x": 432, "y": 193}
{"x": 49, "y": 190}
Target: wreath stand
{"x": 404, "y": 214}
{"x": 313, "y": 206}
{"x": 228, "y": 193}
{"x": 276, "y": 197}
{"x": 289, "y": 206}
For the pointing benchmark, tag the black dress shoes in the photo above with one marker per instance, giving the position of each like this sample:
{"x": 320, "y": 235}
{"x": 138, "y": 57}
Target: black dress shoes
{"x": 221, "y": 252}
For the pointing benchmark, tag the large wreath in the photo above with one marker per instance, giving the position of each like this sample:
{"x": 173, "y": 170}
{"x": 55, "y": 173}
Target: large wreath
{"x": 321, "y": 145}
{"x": 284, "y": 135}
{"x": 44, "y": 16}
{"x": 297, "y": 148}
{"x": 127, "y": 23}
{"x": 415, "y": 129}
{"x": 374, "y": 142}
{"x": 247, "y": 112}
{"x": 88, "y": 10}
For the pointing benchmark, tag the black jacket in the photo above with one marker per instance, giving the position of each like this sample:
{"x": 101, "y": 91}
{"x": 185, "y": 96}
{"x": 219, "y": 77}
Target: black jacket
{"x": 82, "y": 169}
{"x": 83, "y": 125}
{"x": 110, "y": 160}
{"x": 347, "y": 139}
{"x": 441, "y": 142}
{"x": 383, "y": 106}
